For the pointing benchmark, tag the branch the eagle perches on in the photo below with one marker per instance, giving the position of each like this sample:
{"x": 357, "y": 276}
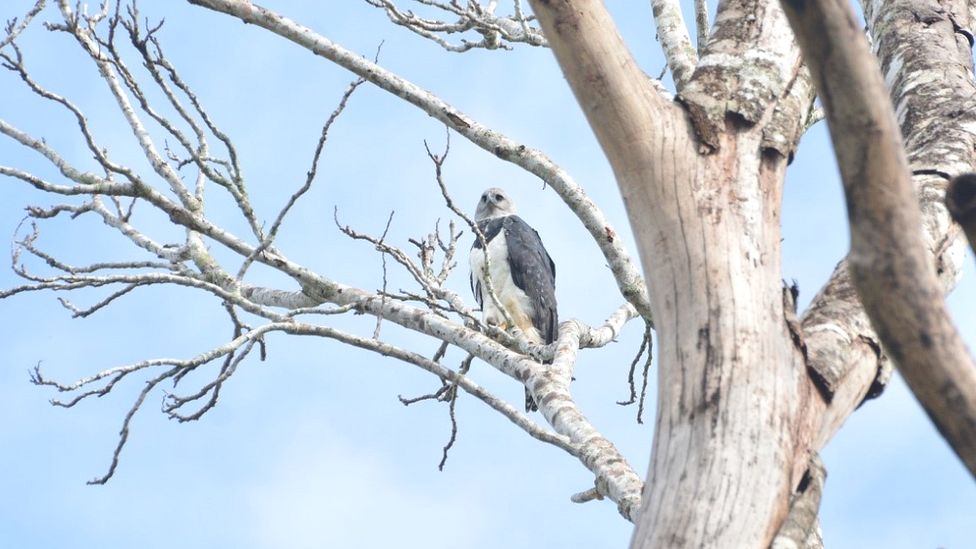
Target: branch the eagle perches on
{"x": 205, "y": 155}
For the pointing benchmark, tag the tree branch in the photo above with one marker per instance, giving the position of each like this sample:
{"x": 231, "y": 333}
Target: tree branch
{"x": 747, "y": 66}
{"x": 928, "y": 67}
{"x": 701, "y": 24}
{"x": 890, "y": 266}
{"x": 107, "y": 70}
{"x": 13, "y": 29}
{"x": 191, "y": 264}
{"x": 473, "y": 17}
{"x": 625, "y": 270}
{"x": 310, "y": 177}
{"x": 961, "y": 201}
{"x": 800, "y": 529}
{"x": 673, "y": 35}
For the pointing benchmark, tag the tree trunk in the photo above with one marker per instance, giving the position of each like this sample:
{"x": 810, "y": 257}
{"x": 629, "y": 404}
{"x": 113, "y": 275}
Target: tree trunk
{"x": 732, "y": 384}
{"x": 730, "y": 444}
{"x": 738, "y": 416}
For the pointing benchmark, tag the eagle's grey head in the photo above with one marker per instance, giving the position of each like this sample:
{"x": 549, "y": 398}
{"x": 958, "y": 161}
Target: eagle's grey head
{"x": 494, "y": 203}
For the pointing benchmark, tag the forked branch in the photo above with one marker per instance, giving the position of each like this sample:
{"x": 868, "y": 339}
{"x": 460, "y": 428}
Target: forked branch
{"x": 890, "y": 265}
{"x": 473, "y": 20}
{"x": 188, "y": 262}
{"x": 625, "y": 270}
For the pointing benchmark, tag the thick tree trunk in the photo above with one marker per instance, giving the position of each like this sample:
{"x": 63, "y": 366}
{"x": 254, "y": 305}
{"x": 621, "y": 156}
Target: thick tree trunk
{"x": 738, "y": 416}
{"x": 733, "y": 385}
{"x": 732, "y": 382}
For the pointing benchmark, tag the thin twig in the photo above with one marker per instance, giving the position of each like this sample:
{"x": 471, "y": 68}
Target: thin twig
{"x": 124, "y": 432}
{"x": 14, "y": 29}
{"x": 451, "y": 407}
{"x": 379, "y": 319}
{"x": 310, "y": 177}
{"x": 473, "y": 19}
{"x": 630, "y": 372}
{"x": 438, "y": 161}
{"x": 644, "y": 374}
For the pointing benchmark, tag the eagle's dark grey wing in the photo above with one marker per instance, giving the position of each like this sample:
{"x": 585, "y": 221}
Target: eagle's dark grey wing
{"x": 490, "y": 229}
{"x": 534, "y": 273}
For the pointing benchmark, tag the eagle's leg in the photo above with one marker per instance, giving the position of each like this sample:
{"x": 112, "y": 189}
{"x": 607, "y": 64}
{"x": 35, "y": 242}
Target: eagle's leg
{"x": 492, "y": 318}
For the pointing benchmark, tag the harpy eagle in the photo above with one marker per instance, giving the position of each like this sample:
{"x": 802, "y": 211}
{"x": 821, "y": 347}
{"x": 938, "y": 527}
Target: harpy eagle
{"x": 522, "y": 273}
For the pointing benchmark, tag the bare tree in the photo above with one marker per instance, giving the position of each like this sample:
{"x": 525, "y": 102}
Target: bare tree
{"x": 749, "y": 390}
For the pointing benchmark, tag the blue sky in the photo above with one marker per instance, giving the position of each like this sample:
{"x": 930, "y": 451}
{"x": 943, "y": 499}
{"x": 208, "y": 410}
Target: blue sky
{"x": 279, "y": 461}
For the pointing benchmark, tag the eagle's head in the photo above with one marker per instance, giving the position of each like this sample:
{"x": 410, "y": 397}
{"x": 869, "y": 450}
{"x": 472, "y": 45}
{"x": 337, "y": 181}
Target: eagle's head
{"x": 494, "y": 203}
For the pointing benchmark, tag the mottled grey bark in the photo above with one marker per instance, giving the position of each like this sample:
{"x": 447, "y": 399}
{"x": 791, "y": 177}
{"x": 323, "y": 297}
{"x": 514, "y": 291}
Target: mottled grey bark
{"x": 732, "y": 382}
{"x": 690, "y": 176}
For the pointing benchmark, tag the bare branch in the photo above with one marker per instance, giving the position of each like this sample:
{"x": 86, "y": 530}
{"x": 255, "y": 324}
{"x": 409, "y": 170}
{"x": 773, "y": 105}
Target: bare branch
{"x": 550, "y": 387}
{"x": 174, "y": 403}
{"x": 82, "y": 313}
{"x": 465, "y": 383}
{"x": 438, "y": 161}
{"x": 673, "y": 35}
{"x": 701, "y": 24}
{"x": 88, "y": 183}
{"x": 16, "y": 64}
{"x": 310, "y": 177}
{"x": 199, "y": 154}
{"x": 108, "y": 70}
{"x": 646, "y": 345}
{"x": 801, "y": 522}
{"x": 471, "y": 19}
{"x": 419, "y": 274}
{"x": 625, "y": 270}
{"x": 178, "y": 368}
{"x": 615, "y": 478}
{"x": 236, "y": 184}
{"x": 454, "y": 430}
{"x": 13, "y": 28}
{"x": 587, "y": 495}
{"x": 124, "y": 432}
{"x": 452, "y": 395}
{"x": 890, "y": 265}
{"x": 38, "y": 379}
{"x": 73, "y": 282}
{"x": 379, "y": 320}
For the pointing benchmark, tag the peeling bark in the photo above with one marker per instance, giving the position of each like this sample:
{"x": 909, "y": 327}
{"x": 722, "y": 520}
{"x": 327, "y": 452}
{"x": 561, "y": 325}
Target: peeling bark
{"x": 747, "y": 66}
{"x": 792, "y": 114}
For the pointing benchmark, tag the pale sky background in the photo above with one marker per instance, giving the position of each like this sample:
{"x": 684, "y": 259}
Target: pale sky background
{"x": 312, "y": 448}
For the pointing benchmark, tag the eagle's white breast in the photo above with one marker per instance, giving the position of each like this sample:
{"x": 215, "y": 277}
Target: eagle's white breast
{"x": 515, "y": 301}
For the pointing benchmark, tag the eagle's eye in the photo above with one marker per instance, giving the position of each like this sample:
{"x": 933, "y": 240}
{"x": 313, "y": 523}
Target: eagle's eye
{"x": 484, "y": 198}
{"x": 499, "y": 198}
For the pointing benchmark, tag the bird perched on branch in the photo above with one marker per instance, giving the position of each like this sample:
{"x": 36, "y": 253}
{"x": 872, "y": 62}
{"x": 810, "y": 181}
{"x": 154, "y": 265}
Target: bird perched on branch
{"x": 521, "y": 272}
